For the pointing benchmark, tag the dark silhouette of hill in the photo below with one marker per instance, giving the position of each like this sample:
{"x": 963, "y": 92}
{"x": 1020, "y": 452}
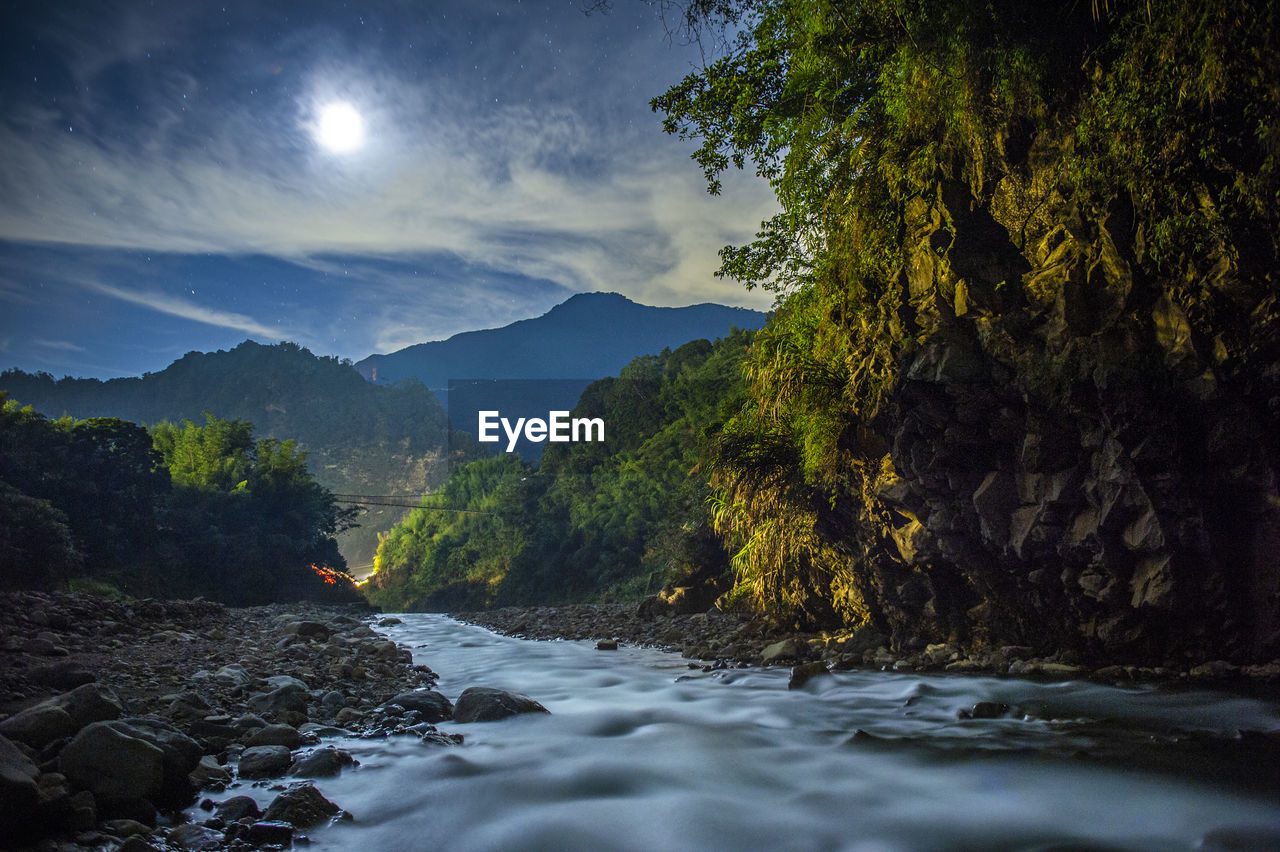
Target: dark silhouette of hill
{"x": 589, "y": 336}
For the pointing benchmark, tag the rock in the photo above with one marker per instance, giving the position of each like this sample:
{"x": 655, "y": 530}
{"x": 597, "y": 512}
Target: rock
{"x": 264, "y": 834}
{"x": 301, "y": 806}
{"x": 322, "y": 763}
{"x": 308, "y": 630}
{"x": 280, "y": 681}
{"x": 266, "y": 761}
{"x": 39, "y": 725}
{"x": 433, "y": 706}
{"x": 181, "y": 756}
{"x": 89, "y": 703}
{"x": 348, "y": 714}
{"x": 607, "y": 645}
{"x": 136, "y": 843}
{"x": 19, "y": 792}
{"x": 333, "y": 701}
{"x": 44, "y": 648}
{"x": 62, "y": 675}
{"x": 985, "y": 710}
{"x": 288, "y": 697}
{"x": 125, "y": 827}
{"x": 389, "y": 621}
{"x": 196, "y": 837}
{"x": 486, "y": 704}
{"x": 112, "y": 764}
{"x": 232, "y": 675}
{"x": 236, "y": 808}
{"x": 249, "y": 720}
{"x": 281, "y": 735}
{"x": 209, "y": 771}
{"x": 787, "y": 649}
{"x": 805, "y": 672}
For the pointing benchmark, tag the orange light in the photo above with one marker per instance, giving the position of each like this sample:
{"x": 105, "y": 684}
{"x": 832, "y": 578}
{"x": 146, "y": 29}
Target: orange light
{"x": 331, "y": 575}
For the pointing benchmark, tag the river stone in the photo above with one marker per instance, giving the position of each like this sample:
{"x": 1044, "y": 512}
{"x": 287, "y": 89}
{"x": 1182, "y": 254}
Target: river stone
{"x": 265, "y": 761}
{"x": 308, "y": 630}
{"x": 233, "y": 674}
{"x": 787, "y": 649}
{"x": 112, "y": 764}
{"x": 196, "y": 837}
{"x": 985, "y": 710}
{"x": 181, "y": 755}
{"x": 287, "y": 697}
{"x": 301, "y": 806}
{"x": 268, "y": 834}
{"x": 281, "y": 735}
{"x": 237, "y": 807}
{"x": 805, "y": 672}
{"x": 279, "y": 681}
{"x": 19, "y": 792}
{"x": 91, "y": 702}
{"x": 433, "y": 706}
{"x": 39, "y": 725}
{"x": 322, "y": 763}
{"x": 607, "y": 645}
{"x": 486, "y": 704}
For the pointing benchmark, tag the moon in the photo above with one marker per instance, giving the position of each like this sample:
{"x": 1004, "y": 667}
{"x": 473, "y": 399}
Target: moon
{"x": 340, "y": 128}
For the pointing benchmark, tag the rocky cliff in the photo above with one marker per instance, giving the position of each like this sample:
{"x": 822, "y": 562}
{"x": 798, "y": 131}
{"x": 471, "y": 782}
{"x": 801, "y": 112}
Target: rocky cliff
{"x": 1083, "y": 455}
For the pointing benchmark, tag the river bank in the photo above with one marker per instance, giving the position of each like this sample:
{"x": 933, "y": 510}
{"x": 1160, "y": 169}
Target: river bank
{"x": 720, "y": 639}
{"x": 115, "y": 713}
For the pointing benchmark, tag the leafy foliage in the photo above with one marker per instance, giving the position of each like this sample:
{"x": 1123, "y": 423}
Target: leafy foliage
{"x": 183, "y": 511}
{"x": 613, "y": 519}
{"x": 858, "y": 112}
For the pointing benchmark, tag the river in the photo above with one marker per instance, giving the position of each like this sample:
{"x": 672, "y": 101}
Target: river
{"x": 642, "y": 753}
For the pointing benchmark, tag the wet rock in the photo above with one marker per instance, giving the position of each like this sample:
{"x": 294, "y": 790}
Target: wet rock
{"x": 137, "y": 843}
{"x": 181, "y": 755}
{"x": 208, "y": 771}
{"x": 389, "y": 621}
{"x": 266, "y": 761}
{"x": 607, "y": 645}
{"x": 805, "y": 672}
{"x": 486, "y": 704}
{"x": 322, "y": 763}
{"x": 301, "y": 806}
{"x": 985, "y": 710}
{"x": 269, "y": 834}
{"x": 196, "y": 837}
{"x": 112, "y": 764}
{"x": 19, "y": 792}
{"x": 787, "y": 649}
{"x": 237, "y": 808}
{"x": 433, "y": 706}
{"x": 281, "y": 735}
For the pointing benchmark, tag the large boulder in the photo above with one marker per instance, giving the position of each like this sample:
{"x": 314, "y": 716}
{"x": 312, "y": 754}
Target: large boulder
{"x": 265, "y": 761}
{"x": 486, "y": 704}
{"x": 433, "y": 706}
{"x": 113, "y": 764}
{"x": 281, "y": 735}
{"x": 19, "y": 793}
{"x": 39, "y": 725}
{"x": 290, "y": 696}
{"x": 301, "y": 806}
{"x": 181, "y": 756}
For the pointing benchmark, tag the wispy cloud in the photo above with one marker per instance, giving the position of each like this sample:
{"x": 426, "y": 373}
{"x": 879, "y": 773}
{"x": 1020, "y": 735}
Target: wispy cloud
{"x": 178, "y": 307}
{"x": 60, "y": 345}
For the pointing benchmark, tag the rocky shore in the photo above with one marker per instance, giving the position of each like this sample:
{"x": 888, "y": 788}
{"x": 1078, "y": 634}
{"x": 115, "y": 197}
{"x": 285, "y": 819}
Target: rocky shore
{"x": 116, "y": 715}
{"x": 720, "y": 639}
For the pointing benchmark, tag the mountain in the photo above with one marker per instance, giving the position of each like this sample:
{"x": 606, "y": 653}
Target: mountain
{"x": 361, "y": 438}
{"x": 589, "y": 336}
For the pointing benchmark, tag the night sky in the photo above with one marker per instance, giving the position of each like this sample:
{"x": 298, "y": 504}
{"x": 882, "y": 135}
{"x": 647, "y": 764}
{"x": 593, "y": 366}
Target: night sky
{"x": 355, "y": 177}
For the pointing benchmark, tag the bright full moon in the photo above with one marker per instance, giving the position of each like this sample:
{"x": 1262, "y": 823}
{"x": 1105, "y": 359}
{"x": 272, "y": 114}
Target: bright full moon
{"x": 341, "y": 130}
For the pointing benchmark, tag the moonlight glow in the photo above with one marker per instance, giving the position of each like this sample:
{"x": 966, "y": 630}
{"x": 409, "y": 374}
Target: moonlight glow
{"x": 340, "y": 129}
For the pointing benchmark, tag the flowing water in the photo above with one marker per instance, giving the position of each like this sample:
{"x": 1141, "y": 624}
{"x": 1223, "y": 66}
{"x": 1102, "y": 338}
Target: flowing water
{"x": 642, "y": 753}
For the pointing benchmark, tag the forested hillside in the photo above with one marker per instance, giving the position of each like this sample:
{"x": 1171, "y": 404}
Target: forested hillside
{"x": 593, "y": 520}
{"x": 361, "y": 438}
{"x": 182, "y": 511}
{"x": 1024, "y": 384}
